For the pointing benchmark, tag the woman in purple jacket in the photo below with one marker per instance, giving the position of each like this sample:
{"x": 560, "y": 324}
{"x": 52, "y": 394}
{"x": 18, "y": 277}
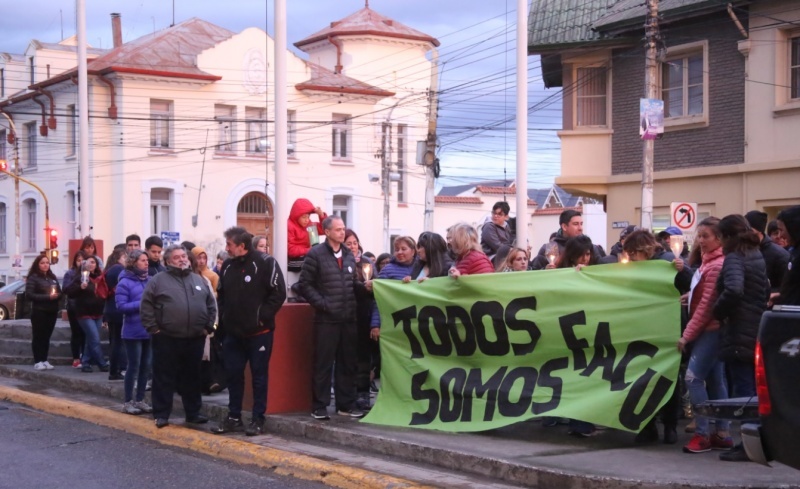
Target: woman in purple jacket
{"x": 136, "y": 339}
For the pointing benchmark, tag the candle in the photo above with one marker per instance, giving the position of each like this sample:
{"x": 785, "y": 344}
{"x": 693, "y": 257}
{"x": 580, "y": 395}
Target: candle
{"x": 85, "y": 276}
{"x": 53, "y": 290}
{"x": 623, "y": 257}
{"x": 367, "y": 268}
{"x": 676, "y": 244}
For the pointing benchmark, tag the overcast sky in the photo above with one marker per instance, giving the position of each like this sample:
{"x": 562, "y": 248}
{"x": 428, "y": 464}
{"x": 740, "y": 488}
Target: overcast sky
{"x": 477, "y": 55}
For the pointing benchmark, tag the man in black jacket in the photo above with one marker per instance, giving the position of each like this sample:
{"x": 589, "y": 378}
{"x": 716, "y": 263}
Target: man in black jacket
{"x": 251, "y": 290}
{"x": 178, "y": 310}
{"x": 775, "y": 257}
{"x": 326, "y": 281}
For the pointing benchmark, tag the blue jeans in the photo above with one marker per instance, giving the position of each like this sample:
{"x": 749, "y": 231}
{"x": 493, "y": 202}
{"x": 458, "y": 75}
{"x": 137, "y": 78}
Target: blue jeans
{"x": 705, "y": 377}
{"x": 92, "y": 352}
{"x": 138, "y": 367}
{"x": 236, "y": 353}
{"x": 743, "y": 378}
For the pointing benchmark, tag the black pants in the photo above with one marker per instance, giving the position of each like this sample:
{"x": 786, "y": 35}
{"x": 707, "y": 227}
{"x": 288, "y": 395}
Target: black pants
{"x": 335, "y": 342}
{"x": 42, "y": 325}
{"x": 117, "y": 358}
{"x": 176, "y": 368}
{"x": 77, "y": 338}
{"x": 255, "y": 350}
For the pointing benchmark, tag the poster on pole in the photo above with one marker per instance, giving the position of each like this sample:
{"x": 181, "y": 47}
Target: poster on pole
{"x": 651, "y": 118}
{"x": 487, "y": 351}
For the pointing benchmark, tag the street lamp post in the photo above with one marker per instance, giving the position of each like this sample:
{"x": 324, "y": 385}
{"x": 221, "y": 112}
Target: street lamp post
{"x": 17, "y": 179}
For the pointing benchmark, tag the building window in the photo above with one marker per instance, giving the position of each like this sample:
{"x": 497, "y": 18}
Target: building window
{"x": 72, "y": 214}
{"x": 72, "y": 133}
{"x": 256, "y": 129}
{"x": 3, "y": 147}
{"x": 291, "y": 132}
{"x": 341, "y": 207}
{"x": 225, "y": 115}
{"x": 3, "y": 235}
{"x": 682, "y": 85}
{"x": 160, "y": 202}
{"x": 591, "y": 97}
{"x": 794, "y": 67}
{"x": 29, "y": 220}
{"x": 2, "y": 82}
{"x": 160, "y": 122}
{"x": 31, "y": 68}
{"x": 341, "y": 136}
{"x": 30, "y": 146}
{"x": 402, "y": 130}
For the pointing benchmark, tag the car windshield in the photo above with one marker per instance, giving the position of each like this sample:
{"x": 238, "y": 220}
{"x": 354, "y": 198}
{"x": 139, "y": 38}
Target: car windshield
{"x": 12, "y": 287}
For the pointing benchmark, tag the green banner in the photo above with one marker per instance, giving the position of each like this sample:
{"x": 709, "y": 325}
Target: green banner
{"x": 486, "y": 351}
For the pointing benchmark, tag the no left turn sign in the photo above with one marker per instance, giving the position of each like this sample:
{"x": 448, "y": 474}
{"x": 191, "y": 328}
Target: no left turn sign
{"x": 683, "y": 215}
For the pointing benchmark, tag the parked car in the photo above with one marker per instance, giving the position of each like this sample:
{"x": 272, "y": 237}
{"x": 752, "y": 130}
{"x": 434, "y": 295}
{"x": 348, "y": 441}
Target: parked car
{"x": 8, "y": 299}
{"x": 770, "y": 423}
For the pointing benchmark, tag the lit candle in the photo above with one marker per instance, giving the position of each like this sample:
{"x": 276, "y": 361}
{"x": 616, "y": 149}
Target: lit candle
{"x": 53, "y": 290}
{"x": 676, "y": 243}
{"x": 367, "y": 268}
{"x": 551, "y": 258}
{"x": 623, "y": 258}
{"x": 85, "y": 276}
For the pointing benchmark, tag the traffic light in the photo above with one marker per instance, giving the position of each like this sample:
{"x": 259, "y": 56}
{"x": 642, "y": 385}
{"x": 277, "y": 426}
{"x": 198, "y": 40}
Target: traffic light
{"x": 53, "y": 245}
{"x": 3, "y": 165}
{"x": 53, "y": 256}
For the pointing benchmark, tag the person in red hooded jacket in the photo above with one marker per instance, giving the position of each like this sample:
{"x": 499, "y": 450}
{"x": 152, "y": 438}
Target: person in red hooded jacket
{"x": 299, "y": 220}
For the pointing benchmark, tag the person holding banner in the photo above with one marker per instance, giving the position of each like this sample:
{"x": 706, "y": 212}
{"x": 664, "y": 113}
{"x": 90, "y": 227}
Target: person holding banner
{"x": 641, "y": 245}
{"x": 470, "y": 258}
{"x": 432, "y": 258}
{"x": 705, "y": 374}
{"x": 516, "y": 261}
{"x": 400, "y": 267}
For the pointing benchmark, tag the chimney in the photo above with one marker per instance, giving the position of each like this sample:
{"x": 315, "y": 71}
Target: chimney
{"x": 116, "y": 30}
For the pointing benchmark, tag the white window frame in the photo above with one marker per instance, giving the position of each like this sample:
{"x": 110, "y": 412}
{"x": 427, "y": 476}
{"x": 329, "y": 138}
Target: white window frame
{"x": 161, "y": 126}
{"x": 343, "y": 210}
{"x": 72, "y": 131}
{"x": 255, "y": 129}
{"x": 682, "y": 53}
{"x": 784, "y": 103}
{"x": 291, "y": 133}
{"x": 341, "y": 148}
{"x": 3, "y": 228}
{"x": 30, "y": 224}
{"x": 580, "y": 81}
{"x": 402, "y": 162}
{"x": 31, "y": 153}
{"x": 225, "y": 115}
{"x": 160, "y": 209}
{"x": 176, "y": 202}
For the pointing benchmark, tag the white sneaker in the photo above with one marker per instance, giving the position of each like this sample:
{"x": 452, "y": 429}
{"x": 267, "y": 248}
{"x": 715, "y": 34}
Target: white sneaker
{"x": 47, "y": 365}
{"x": 39, "y": 366}
{"x": 129, "y": 408}
{"x": 143, "y": 406}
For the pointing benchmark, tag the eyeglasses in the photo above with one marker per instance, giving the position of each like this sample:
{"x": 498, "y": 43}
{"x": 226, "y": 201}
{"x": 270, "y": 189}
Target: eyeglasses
{"x": 499, "y": 213}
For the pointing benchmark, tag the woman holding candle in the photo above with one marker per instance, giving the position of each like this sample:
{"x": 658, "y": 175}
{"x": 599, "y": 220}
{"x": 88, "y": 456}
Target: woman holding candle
{"x": 77, "y": 338}
{"x": 43, "y": 290}
{"x": 89, "y": 311}
{"x": 365, "y": 348}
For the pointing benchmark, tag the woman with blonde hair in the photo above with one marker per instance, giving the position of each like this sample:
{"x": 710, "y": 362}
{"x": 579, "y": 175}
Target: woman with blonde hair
{"x": 470, "y": 258}
{"x": 516, "y": 261}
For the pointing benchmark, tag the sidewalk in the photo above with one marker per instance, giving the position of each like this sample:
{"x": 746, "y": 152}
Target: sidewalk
{"x": 526, "y": 454}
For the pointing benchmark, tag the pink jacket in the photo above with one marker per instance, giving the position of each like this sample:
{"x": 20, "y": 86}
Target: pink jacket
{"x": 704, "y": 296}
{"x": 474, "y": 262}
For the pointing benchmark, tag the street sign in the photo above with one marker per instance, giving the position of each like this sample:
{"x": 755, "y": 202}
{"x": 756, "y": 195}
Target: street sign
{"x": 619, "y": 224}
{"x": 170, "y": 237}
{"x": 683, "y": 215}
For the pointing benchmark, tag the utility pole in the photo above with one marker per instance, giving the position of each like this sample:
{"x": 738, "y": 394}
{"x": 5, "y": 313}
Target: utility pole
{"x": 13, "y": 127}
{"x": 430, "y": 153}
{"x": 651, "y": 92}
{"x": 522, "y": 124}
{"x": 386, "y": 181}
{"x": 84, "y": 193}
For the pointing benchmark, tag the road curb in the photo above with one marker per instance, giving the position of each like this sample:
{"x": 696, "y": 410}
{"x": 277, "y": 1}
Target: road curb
{"x": 220, "y": 447}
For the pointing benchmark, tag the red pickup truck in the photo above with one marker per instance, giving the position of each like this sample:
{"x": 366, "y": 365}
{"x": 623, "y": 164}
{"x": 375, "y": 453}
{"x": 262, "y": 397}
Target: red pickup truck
{"x": 771, "y": 423}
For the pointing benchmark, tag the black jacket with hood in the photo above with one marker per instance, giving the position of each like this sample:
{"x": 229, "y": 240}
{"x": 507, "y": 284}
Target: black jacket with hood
{"x": 250, "y": 293}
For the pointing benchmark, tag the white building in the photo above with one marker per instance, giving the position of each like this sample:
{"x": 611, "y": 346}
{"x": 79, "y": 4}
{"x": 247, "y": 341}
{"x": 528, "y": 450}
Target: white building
{"x": 175, "y": 123}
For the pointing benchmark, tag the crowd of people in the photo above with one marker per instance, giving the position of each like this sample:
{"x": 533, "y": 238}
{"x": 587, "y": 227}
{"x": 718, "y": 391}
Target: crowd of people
{"x": 192, "y": 329}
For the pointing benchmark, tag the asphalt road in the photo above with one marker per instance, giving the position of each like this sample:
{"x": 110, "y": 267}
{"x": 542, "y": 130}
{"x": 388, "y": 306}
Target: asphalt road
{"x": 39, "y": 450}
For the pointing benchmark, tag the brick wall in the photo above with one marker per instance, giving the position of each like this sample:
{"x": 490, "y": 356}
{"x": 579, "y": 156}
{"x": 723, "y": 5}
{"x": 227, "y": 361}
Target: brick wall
{"x": 722, "y": 142}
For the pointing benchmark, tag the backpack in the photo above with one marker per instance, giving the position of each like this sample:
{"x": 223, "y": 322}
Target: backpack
{"x": 101, "y": 288}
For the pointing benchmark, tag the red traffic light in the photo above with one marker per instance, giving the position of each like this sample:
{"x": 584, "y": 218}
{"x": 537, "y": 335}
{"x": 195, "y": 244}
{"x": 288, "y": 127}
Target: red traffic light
{"x": 3, "y": 165}
{"x": 53, "y": 239}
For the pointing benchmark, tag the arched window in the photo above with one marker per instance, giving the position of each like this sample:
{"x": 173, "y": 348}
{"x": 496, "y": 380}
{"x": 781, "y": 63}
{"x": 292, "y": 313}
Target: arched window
{"x": 254, "y": 213}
